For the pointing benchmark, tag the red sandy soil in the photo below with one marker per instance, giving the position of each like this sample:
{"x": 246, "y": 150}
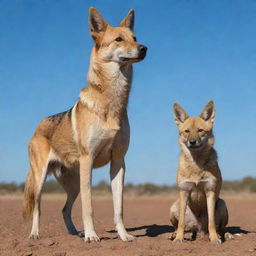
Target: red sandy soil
{"x": 146, "y": 219}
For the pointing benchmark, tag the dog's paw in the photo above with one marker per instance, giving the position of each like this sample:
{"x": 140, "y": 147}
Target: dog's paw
{"x": 80, "y": 233}
{"x": 90, "y": 237}
{"x": 126, "y": 237}
{"x": 34, "y": 236}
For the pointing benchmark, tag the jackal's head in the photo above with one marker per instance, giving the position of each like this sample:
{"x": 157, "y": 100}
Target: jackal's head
{"x": 117, "y": 44}
{"x": 195, "y": 133}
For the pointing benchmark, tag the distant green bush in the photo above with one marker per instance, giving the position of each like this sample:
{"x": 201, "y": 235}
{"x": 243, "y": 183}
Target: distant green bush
{"x": 51, "y": 186}
{"x": 10, "y": 187}
{"x": 250, "y": 183}
{"x": 102, "y": 186}
{"x": 148, "y": 188}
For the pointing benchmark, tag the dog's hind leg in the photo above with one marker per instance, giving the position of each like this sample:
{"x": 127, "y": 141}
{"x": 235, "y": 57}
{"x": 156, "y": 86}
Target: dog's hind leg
{"x": 70, "y": 181}
{"x": 222, "y": 219}
{"x": 117, "y": 172}
{"x": 174, "y": 214}
{"x": 192, "y": 223}
{"x": 40, "y": 155}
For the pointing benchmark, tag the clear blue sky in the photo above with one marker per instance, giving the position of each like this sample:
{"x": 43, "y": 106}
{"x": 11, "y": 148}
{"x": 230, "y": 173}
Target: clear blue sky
{"x": 197, "y": 51}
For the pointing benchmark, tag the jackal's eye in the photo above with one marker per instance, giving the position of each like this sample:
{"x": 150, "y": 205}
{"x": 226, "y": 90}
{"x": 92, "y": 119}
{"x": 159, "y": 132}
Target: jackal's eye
{"x": 119, "y": 39}
{"x": 186, "y": 131}
{"x": 135, "y": 39}
{"x": 200, "y": 130}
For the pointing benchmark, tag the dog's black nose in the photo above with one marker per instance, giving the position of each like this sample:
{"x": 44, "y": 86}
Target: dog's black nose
{"x": 192, "y": 142}
{"x": 142, "y": 49}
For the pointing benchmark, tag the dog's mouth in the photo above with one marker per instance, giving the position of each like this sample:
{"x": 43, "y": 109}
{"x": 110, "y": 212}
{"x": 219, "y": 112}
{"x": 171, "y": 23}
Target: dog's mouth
{"x": 196, "y": 146}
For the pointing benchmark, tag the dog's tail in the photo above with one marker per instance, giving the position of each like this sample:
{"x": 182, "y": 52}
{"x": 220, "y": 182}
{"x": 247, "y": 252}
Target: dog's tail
{"x": 29, "y": 196}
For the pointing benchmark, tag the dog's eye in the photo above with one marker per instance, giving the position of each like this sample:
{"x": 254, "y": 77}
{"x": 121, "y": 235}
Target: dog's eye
{"x": 135, "y": 39}
{"x": 200, "y": 130}
{"x": 186, "y": 131}
{"x": 119, "y": 39}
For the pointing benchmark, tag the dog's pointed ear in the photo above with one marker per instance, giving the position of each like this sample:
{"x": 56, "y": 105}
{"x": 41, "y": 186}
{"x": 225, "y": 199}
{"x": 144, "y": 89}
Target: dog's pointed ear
{"x": 180, "y": 115}
{"x": 208, "y": 113}
{"x": 96, "y": 22}
{"x": 128, "y": 21}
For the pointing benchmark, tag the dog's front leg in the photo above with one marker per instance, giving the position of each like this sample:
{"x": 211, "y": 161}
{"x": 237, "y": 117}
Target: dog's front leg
{"x": 85, "y": 188}
{"x": 211, "y": 202}
{"x": 117, "y": 172}
{"x": 183, "y": 200}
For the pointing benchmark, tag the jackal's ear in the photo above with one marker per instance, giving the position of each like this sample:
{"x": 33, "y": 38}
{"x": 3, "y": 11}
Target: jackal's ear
{"x": 128, "y": 21}
{"x": 180, "y": 115}
{"x": 96, "y": 22}
{"x": 208, "y": 113}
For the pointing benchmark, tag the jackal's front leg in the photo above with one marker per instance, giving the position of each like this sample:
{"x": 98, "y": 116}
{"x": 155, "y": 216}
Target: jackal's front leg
{"x": 211, "y": 202}
{"x": 85, "y": 188}
{"x": 183, "y": 200}
{"x": 117, "y": 172}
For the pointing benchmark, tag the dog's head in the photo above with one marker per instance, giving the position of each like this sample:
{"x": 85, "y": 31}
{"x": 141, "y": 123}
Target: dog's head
{"x": 117, "y": 44}
{"x": 195, "y": 133}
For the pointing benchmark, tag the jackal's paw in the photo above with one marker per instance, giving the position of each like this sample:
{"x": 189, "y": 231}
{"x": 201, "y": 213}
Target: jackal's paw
{"x": 215, "y": 241}
{"x": 90, "y": 237}
{"x": 178, "y": 240}
{"x": 201, "y": 234}
{"x": 172, "y": 236}
{"x": 126, "y": 237}
{"x": 228, "y": 236}
{"x": 34, "y": 236}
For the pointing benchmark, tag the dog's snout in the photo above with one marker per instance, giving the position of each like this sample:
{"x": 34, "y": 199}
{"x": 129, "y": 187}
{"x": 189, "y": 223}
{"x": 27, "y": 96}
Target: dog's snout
{"x": 192, "y": 142}
{"x": 142, "y": 50}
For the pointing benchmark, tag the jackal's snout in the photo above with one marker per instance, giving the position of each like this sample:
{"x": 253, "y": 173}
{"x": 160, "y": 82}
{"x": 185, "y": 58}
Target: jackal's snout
{"x": 194, "y": 143}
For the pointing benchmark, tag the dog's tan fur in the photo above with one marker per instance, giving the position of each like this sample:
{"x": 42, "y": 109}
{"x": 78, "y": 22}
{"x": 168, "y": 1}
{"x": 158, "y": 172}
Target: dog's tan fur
{"x": 94, "y": 132}
{"x": 198, "y": 208}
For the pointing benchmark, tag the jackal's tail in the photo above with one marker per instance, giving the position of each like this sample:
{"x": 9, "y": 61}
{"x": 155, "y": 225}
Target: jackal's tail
{"x": 29, "y": 196}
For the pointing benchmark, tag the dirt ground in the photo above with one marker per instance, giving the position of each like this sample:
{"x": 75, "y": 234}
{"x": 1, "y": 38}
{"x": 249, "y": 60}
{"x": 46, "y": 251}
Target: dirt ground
{"x": 146, "y": 219}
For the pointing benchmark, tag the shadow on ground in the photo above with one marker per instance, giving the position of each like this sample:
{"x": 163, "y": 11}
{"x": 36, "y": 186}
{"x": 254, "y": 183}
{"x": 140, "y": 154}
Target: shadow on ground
{"x": 237, "y": 230}
{"x": 156, "y": 230}
{"x": 151, "y": 230}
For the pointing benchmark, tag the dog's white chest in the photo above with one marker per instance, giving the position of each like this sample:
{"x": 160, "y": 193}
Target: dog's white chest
{"x": 100, "y": 139}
